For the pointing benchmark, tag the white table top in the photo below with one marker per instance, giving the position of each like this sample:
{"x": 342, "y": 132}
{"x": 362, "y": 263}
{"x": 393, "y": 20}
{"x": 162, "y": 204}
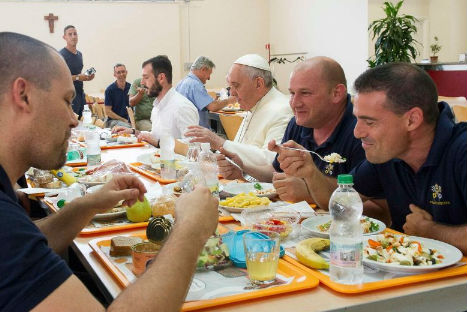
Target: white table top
{"x": 441, "y": 295}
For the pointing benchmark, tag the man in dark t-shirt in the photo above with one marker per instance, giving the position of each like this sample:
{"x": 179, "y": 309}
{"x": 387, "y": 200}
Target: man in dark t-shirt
{"x": 117, "y": 99}
{"x": 74, "y": 60}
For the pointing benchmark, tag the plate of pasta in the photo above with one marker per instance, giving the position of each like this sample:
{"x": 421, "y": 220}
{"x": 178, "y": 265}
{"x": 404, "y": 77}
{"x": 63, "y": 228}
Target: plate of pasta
{"x": 243, "y": 201}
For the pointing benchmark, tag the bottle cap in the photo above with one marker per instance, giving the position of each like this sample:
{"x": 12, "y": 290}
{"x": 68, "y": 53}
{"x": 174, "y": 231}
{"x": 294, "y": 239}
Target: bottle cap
{"x": 61, "y": 203}
{"x": 345, "y": 179}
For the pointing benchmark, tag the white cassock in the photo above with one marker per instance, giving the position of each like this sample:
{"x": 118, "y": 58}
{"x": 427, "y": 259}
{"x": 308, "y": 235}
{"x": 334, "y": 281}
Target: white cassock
{"x": 266, "y": 121}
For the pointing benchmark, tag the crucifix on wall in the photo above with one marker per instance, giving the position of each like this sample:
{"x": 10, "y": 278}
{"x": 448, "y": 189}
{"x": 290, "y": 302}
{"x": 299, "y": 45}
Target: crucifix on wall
{"x": 51, "y": 18}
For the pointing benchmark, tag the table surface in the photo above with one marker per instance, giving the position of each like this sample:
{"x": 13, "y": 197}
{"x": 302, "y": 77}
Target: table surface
{"x": 441, "y": 295}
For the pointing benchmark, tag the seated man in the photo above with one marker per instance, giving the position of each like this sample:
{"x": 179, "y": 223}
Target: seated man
{"x": 32, "y": 98}
{"x": 116, "y": 99}
{"x": 172, "y": 113}
{"x": 192, "y": 87}
{"x": 323, "y": 123}
{"x": 416, "y": 167}
{"x": 250, "y": 81}
{"x": 142, "y": 103}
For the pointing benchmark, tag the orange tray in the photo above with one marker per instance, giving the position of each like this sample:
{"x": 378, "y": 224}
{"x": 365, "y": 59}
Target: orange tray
{"x": 149, "y": 174}
{"x": 303, "y": 280}
{"x": 138, "y": 144}
{"x": 371, "y": 286}
{"x": 111, "y": 228}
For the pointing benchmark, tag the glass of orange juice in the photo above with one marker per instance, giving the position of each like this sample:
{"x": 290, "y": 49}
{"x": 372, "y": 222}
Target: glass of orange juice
{"x": 262, "y": 256}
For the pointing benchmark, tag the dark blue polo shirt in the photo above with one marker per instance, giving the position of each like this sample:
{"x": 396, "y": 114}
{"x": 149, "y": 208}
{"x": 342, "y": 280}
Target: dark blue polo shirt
{"x": 75, "y": 64}
{"x": 118, "y": 99}
{"x": 341, "y": 141}
{"x": 29, "y": 269}
{"x": 439, "y": 186}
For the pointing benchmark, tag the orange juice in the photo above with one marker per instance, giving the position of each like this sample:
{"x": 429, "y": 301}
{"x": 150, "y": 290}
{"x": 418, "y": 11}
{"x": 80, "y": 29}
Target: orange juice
{"x": 262, "y": 267}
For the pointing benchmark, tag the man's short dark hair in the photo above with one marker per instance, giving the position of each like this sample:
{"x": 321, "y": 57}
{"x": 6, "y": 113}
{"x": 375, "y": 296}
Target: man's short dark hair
{"x": 161, "y": 64}
{"x": 67, "y": 27}
{"x": 406, "y": 86}
{"x": 26, "y": 57}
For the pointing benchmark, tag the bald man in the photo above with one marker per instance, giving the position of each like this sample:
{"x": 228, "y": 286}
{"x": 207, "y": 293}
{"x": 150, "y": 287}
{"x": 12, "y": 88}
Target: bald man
{"x": 323, "y": 123}
{"x": 36, "y": 93}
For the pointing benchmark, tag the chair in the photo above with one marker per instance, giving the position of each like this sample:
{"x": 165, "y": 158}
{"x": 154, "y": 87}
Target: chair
{"x": 452, "y": 101}
{"x": 230, "y": 123}
{"x": 213, "y": 94}
{"x": 181, "y": 148}
{"x": 460, "y": 112}
{"x": 131, "y": 115}
{"x": 99, "y": 123}
{"x": 100, "y": 110}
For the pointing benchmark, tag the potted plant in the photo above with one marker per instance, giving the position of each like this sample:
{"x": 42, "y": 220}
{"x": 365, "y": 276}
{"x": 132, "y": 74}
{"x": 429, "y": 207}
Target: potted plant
{"x": 435, "y": 48}
{"x": 394, "y": 36}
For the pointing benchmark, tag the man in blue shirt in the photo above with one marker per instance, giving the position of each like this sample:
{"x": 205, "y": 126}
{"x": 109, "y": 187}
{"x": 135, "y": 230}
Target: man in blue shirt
{"x": 322, "y": 122}
{"x": 416, "y": 167}
{"x": 117, "y": 99}
{"x": 35, "y": 102}
{"x": 74, "y": 60}
{"x": 192, "y": 87}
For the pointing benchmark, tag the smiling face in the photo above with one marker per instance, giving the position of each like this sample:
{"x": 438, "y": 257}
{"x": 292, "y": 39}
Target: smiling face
{"x": 52, "y": 119}
{"x": 71, "y": 37}
{"x": 120, "y": 73}
{"x": 243, "y": 88}
{"x": 310, "y": 98}
{"x": 384, "y": 134}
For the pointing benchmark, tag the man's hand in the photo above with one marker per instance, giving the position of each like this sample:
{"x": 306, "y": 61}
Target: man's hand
{"x": 226, "y": 169}
{"x": 121, "y": 130}
{"x": 201, "y": 134}
{"x": 147, "y": 137}
{"x": 122, "y": 187}
{"x": 419, "y": 222}
{"x": 290, "y": 189}
{"x": 197, "y": 211}
{"x": 141, "y": 91}
{"x": 83, "y": 77}
{"x": 294, "y": 163}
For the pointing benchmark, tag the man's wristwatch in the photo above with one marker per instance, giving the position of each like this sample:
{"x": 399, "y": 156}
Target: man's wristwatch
{"x": 77, "y": 78}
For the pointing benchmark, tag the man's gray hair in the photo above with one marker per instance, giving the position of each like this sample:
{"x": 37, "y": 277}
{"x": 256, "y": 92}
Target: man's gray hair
{"x": 202, "y": 62}
{"x": 253, "y": 72}
{"x": 118, "y": 65}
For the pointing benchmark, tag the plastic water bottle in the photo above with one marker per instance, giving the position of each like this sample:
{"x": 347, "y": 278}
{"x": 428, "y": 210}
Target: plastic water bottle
{"x": 168, "y": 170}
{"x": 193, "y": 178}
{"x": 346, "y": 233}
{"x": 93, "y": 146}
{"x": 208, "y": 163}
{"x": 87, "y": 116}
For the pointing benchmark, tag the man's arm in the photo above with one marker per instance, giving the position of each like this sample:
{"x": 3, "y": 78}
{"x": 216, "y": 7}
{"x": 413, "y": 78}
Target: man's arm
{"x": 216, "y": 105}
{"x": 136, "y": 98}
{"x": 61, "y": 228}
{"x": 110, "y": 113}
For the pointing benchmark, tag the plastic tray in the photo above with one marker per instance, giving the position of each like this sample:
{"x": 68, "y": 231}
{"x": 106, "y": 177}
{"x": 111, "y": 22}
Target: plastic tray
{"x": 388, "y": 283}
{"x": 149, "y": 174}
{"x": 302, "y": 280}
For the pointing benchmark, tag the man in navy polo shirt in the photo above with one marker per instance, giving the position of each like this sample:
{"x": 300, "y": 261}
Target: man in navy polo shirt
{"x": 36, "y": 93}
{"x": 322, "y": 122}
{"x": 74, "y": 60}
{"x": 192, "y": 87}
{"x": 416, "y": 168}
{"x": 117, "y": 99}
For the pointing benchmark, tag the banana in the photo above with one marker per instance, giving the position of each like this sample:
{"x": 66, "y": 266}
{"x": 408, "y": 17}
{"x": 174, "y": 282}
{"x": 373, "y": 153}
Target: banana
{"x": 306, "y": 252}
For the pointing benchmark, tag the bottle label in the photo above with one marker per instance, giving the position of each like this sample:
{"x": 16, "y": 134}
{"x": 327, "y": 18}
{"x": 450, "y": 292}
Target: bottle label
{"x": 346, "y": 255}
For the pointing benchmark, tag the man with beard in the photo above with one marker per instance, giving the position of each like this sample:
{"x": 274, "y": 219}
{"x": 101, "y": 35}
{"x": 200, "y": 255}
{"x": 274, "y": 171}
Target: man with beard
{"x": 117, "y": 100}
{"x": 172, "y": 112}
{"x": 36, "y": 93}
{"x": 74, "y": 60}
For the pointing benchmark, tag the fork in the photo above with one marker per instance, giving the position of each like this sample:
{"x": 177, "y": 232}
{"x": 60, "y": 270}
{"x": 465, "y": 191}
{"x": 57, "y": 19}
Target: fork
{"x": 245, "y": 175}
{"x": 303, "y": 150}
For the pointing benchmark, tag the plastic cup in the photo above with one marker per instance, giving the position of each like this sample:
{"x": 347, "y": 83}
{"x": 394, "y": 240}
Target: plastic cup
{"x": 262, "y": 256}
{"x": 141, "y": 253}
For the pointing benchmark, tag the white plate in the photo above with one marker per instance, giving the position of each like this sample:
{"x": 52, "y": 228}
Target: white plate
{"x": 235, "y": 209}
{"x": 231, "y": 109}
{"x": 237, "y": 188}
{"x": 451, "y": 254}
{"x": 146, "y": 159}
{"x": 83, "y": 180}
{"x": 311, "y": 225}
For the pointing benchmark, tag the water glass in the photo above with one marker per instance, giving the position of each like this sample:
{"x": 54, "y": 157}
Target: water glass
{"x": 262, "y": 256}
{"x": 193, "y": 151}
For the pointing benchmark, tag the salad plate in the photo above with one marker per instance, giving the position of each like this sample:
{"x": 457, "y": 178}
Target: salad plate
{"x": 259, "y": 189}
{"x": 318, "y": 226}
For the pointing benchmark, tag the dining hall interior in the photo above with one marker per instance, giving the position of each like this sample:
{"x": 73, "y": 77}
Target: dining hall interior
{"x": 275, "y": 178}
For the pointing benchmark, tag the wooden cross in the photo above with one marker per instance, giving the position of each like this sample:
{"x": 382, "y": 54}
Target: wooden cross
{"x": 51, "y": 18}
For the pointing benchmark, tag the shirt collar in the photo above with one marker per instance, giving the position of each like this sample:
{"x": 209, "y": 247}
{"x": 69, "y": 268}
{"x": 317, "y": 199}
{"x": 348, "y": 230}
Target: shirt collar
{"x": 443, "y": 134}
{"x": 166, "y": 99}
{"x": 193, "y": 76}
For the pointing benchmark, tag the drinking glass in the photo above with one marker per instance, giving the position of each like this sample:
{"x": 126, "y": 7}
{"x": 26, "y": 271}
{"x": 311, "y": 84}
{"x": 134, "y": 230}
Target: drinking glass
{"x": 262, "y": 256}
{"x": 193, "y": 151}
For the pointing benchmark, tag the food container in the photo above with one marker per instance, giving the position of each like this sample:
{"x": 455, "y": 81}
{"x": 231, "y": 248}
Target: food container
{"x": 285, "y": 223}
{"x": 141, "y": 253}
{"x": 163, "y": 205}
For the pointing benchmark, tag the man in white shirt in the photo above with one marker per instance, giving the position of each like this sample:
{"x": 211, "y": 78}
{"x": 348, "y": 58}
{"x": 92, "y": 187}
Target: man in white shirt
{"x": 250, "y": 81}
{"x": 172, "y": 112}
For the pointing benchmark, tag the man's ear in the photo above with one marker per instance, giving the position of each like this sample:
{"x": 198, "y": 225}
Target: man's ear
{"x": 259, "y": 82}
{"x": 339, "y": 91}
{"x": 414, "y": 118}
{"x": 20, "y": 92}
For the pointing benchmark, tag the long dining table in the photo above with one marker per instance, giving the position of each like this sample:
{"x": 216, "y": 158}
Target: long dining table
{"x": 447, "y": 294}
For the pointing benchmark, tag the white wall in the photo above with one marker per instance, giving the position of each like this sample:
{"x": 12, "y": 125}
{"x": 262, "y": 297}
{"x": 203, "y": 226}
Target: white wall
{"x": 333, "y": 28}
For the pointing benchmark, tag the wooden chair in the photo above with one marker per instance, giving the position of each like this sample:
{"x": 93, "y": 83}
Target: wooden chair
{"x": 100, "y": 110}
{"x": 99, "y": 123}
{"x": 131, "y": 115}
{"x": 230, "y": 123}
{"x": 213, "y": 94}
{"x": 181, "y": 148}
{"x": 460, "y": 112}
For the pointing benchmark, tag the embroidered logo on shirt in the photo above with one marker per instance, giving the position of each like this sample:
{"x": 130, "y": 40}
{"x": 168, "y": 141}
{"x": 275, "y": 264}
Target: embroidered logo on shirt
{"x": 329, "y": 169}
{"x": 437, "y": 195}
